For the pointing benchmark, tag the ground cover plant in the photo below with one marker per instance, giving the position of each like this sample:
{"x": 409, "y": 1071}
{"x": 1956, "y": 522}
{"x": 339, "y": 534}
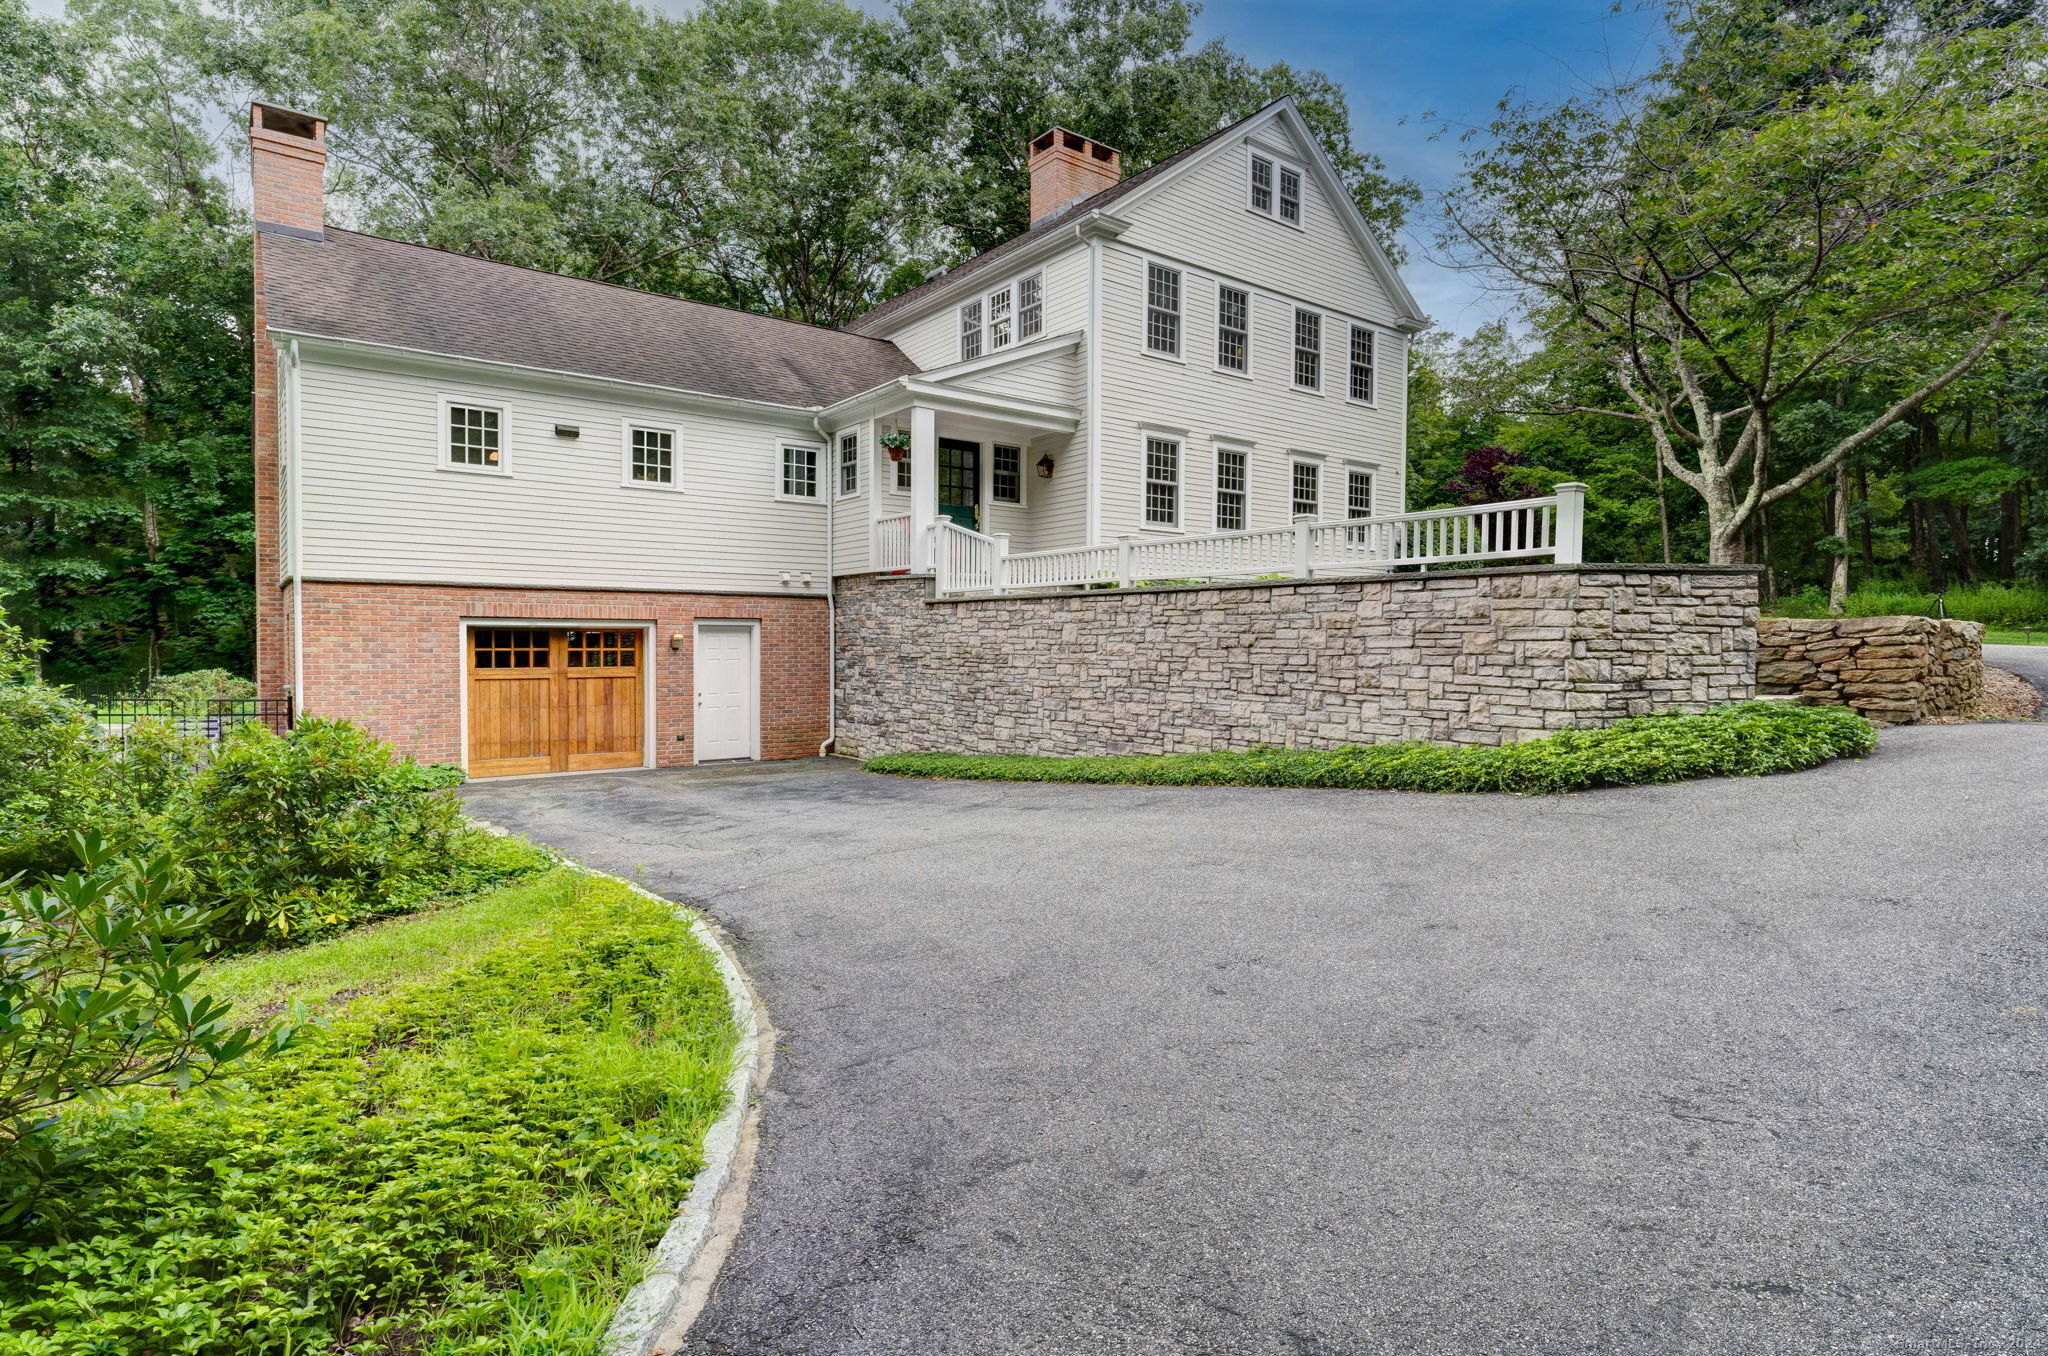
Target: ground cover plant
{"x": 1750, "y": 739}
{"x": 471, "y": 1156}
{"x": 2002, "y": 608}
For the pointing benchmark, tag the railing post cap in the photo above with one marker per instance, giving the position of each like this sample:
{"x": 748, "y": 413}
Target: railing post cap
{"x": 1570, "y": 485}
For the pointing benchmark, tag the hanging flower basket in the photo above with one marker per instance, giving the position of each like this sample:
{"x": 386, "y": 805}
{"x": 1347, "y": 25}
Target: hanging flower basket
{"x": 897, "y": 445}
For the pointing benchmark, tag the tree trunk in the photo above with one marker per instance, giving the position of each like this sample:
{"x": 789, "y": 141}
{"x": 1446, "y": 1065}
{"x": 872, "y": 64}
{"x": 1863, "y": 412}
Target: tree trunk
{"x": 1959, "y": 529}
{"x": 2009, "y": 534}
{"x": 1663, "y": 511}
{"x": 1863, "y": 497}
{"x": 1838, "y": 571}
{"x": 1930, "y": 541}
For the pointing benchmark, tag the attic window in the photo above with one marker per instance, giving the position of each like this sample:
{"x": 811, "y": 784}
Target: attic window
{"x": 1275, "y": 189}
{"x": 285, "y": 121}
{"x": 1002, "y": 316}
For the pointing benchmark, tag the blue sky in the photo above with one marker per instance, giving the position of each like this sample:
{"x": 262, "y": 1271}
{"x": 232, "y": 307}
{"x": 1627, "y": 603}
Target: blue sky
{"x": 1401, "y": 60}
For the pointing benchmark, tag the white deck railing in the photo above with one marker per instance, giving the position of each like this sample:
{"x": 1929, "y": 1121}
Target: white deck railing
{"x": 892, "y": 542}
{"x": 964, "y": 561}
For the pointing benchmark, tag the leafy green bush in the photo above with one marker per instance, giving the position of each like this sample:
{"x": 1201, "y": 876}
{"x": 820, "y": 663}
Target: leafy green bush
{"x": 321, "y": 828}
{"x": 96, "y": 972}
{"x": 199, "y": 691}
{"x": 55, "y": 777}
{"x": 468, "y": 1163}
{"x": 1747, "y": 740}
{"x": 1997, "y": 605}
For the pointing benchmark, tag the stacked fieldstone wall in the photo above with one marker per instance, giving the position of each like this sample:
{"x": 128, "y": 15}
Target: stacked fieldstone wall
{"x": 1468, "y": 656}
{"x": 1891, "y": 669}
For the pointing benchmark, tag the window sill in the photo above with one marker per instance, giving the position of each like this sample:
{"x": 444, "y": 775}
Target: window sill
{"x": 1275, "y": 218}
{"x": 453, "y": 469}
{"x": 1315, "y": 391}
{"x": 1231, "y": 372}
{"x": 1362, "y": 404}
{"x": 1164, "y": 357}
{"x": 670, "y": 488}
{"x": 819, "y": 500}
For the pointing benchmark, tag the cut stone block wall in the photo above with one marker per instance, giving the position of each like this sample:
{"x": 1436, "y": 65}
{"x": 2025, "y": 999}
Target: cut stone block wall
{"x": 1468, "y": 656}
{"x": 1891, "y": 669}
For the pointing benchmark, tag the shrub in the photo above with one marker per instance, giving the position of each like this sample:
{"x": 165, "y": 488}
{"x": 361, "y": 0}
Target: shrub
{"x": 2006, "y": 607}
{"x": 1746, "y": 740}
{"x": 461, "y": 1158}
{"x": 197, "y": 692}
{"x": 96, "y": 972}
{"x": 320, "y": 828}
{"x": 55, "y": 776}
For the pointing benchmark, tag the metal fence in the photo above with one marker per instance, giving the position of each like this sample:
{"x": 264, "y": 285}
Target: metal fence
{"x": 209, "y": 719}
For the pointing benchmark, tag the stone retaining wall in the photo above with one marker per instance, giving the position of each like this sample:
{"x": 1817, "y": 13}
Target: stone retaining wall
{"x": 1891, "y": 669}
{"x": 1467, "y": 656}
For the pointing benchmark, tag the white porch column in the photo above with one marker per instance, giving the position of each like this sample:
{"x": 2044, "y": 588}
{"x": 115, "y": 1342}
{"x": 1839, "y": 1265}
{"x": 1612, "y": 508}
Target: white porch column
{"x": 924, "y": 483}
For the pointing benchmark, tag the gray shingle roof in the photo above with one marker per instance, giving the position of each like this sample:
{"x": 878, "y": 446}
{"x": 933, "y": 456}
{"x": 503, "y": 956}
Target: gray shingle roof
{"x": 352, "y": 286}
{"x": 867, "y": 322}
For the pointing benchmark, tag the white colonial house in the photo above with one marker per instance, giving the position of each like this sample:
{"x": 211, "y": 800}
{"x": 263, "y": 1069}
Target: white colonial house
{"x": 534, "y": 523}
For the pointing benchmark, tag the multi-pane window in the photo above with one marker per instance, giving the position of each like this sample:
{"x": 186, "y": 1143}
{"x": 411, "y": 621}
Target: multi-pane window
{"x": 603, "y": 649}
{"x": 1162, "y": 482}
{"x": 510, "y": 649}
{"x": 651, "y": 456}
{"x": 999, "y": 319}
{"x": 1030, "y": 306}
{"x": 1233, "y": 329}
{"x": 1361, "y": 363}
{"x": 1290, "y": 196}
{"x": 849, "y": 463}
{"x": 1308, "y": 489}
{"x": 1230, "y": 488}
{"x": 799, "y": 471}
{"x": 970, "y": 330}
{"x": 1358, "y": 494}
{"x": 1262, "y": 185}
{"x": 475, "y": 436}
{"x": 1006, "y": 474}
{"x": 1162, "y": 309}
{"x": 903, "y": 474}
{"x": 1308, "y": 350}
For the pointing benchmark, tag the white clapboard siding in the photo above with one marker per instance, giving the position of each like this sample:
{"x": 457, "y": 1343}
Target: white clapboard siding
{"x": 851, "y": 536}
{"x": 934, "y": 340}
{"x": 377, "y": 505}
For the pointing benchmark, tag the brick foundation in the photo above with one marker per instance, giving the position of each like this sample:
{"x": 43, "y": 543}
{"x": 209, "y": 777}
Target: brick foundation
{"x": 1465, "y": 656}
{"x": 390, "y": 657}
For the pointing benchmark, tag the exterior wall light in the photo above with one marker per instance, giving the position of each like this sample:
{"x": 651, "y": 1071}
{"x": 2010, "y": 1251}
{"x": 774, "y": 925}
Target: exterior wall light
{"x": 675, "y": 641}
{"x": 1045, "y": 467}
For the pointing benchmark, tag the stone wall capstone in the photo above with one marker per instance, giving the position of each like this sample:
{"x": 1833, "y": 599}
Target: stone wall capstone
{"x": 1890, "y": 669}
{"x": 1462, "y": 656}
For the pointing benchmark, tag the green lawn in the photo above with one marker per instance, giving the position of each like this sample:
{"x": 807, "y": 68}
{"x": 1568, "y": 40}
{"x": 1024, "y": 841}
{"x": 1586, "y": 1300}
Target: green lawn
{"x": 2039, "y": 636}
{"x": 1746, "y": 740}
{"x": 472, "y": 1156}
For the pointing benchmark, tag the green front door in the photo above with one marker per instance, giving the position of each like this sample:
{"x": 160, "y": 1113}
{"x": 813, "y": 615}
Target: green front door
{"x": 960, "y": 482}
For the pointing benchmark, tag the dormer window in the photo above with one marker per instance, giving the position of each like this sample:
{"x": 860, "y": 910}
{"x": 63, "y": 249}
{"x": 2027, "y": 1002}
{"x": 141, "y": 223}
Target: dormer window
{"x": 1275, "y": 189}
{"x": 1003, "y": 316}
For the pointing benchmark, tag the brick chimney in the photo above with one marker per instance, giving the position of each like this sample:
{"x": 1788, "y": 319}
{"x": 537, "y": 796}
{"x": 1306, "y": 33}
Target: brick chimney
{"x": 287, "y": 169}
{"x": 1067, "y": 167}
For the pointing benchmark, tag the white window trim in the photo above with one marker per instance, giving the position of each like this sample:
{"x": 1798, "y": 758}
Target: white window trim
{"x": 1295, "y": 459}
{"x": 675, "y": 456}
{"x": 1278, "y": 162}
{"x": 1017, "y": 339}
{"x": 839, "y": 490}
{"x": 1373, "y": 501}
{"x": 1243, "y": 447}
{"x": 1023, "y": 474}
{"x": 1179, "y": 354}
{"x": 1377, "y": 349}
{"x": 442, "y": 447}
{"x": 1322, "y": 352}
{"x": 1251, "y": 328}
{"x": 823, "y": 464}
{"x": 1179, "y": 438}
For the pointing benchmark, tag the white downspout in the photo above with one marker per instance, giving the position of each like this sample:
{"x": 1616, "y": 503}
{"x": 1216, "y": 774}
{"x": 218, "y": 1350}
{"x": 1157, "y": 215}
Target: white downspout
{"x": 831, "y": 587}
{"x": 294, "y": 475}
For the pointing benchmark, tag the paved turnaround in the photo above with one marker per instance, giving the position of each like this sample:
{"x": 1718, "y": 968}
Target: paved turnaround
{"x": 1730, "y": 1067}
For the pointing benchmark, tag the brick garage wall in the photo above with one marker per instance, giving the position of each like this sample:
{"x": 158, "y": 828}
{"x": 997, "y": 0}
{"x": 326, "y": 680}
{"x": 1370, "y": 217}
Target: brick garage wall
{"x": 389, "y": 656}
{"x": 1891, "y": 669}
{"x": 1470, "y": 656}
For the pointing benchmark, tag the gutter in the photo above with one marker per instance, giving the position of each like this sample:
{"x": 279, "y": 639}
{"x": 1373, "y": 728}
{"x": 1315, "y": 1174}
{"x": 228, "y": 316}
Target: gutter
{"x": 297, "y": 522}
{"x": 831, "y": 460}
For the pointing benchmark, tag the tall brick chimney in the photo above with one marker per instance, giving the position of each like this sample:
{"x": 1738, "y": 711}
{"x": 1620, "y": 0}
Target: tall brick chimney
{"x": 1067, "y": 167}
{"x": 287, "y": 170}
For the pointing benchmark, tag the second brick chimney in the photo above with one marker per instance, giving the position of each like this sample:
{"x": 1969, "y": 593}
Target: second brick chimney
{"x": 288, "y": 169}
{"x": 1067, "y": 167}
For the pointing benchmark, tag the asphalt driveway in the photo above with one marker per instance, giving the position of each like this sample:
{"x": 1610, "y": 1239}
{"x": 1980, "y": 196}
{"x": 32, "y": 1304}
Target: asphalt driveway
{"x": 1730, "y": 1067}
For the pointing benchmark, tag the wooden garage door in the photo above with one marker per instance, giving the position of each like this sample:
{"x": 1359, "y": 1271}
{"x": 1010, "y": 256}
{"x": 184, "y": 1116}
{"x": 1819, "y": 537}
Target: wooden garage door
{"x": 553, "y": 700}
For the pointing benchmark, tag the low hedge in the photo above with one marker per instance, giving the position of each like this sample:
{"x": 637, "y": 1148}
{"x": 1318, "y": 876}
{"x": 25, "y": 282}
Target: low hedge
{"x": 471, "y": 1159}
{"x": 1751, "y": 739}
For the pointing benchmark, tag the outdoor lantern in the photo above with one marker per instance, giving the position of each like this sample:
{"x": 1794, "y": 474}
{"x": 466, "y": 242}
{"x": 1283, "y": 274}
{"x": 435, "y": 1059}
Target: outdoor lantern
{"x": 1045, "y": 467}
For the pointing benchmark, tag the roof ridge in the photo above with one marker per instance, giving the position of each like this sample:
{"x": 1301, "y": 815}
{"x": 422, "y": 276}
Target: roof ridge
{"x": 616, "y": 287}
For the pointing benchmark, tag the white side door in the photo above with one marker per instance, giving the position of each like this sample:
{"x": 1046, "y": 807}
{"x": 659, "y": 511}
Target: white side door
{"x": 728, "y": 688}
